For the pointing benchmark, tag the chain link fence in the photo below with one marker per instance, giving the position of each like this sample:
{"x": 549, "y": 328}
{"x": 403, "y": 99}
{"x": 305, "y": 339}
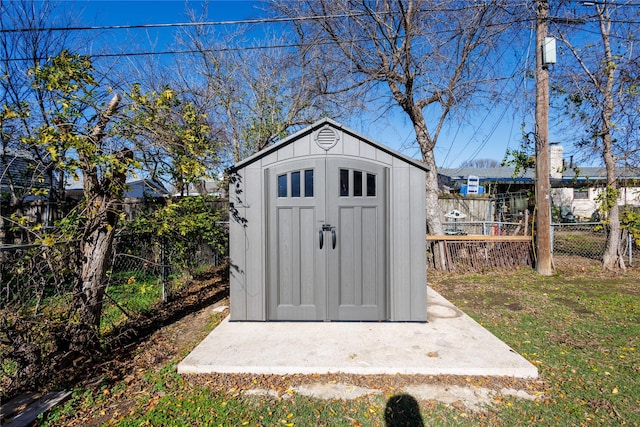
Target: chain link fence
{"x": 37, "y": 285}
{"x": 574, "y": 243}
{"x": 29, "y": 273}
{"x": 152, "y": 259}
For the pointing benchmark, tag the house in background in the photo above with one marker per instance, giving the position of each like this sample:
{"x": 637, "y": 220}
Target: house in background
{"x": 21, "y": 174}
{"x": 26, "y": 189}
{"x": 578, "y": 188}
{"x": 201, "y": 188}
{"x": 139, "y": 192}
{"x": 507, "y": 196}
{"x": 136, "y": 189}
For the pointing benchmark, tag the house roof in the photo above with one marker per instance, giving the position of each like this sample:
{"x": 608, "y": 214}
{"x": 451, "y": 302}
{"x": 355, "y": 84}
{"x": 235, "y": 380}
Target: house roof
{"x": 11, "y": 152}
{"x": 317, "y": 125}
{"x": 599, "y": 173}
{"x": 497, "y": 174}
{"x": 19, "y": 169}
{"x": 505, "y": 175}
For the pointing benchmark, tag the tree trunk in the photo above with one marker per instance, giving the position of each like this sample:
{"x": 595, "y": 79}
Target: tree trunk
{"x": 434, "y": 213}
{"x": 613, "y": 258}
{"x": 96, "y": 249}
{"x": 433, "y": 206}
{"x": 102, "y": 193}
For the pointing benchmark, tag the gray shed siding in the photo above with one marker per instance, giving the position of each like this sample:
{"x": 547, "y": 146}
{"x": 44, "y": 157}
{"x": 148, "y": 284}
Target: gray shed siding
{"x": 408, "y": 249}
{"x": 406, "y": 246}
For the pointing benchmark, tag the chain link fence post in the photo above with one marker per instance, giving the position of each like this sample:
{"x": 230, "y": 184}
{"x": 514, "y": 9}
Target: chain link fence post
{"x": 630, "y": 248}
{"x": 163, "y": 269}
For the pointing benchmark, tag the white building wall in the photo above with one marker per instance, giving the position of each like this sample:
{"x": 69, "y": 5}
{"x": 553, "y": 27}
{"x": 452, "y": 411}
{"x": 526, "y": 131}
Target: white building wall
{"x": 555, "y": 161}
{"x": 584, "y": 208}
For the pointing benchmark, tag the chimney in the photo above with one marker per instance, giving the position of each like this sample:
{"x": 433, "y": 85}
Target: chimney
{"x": 556, "y": 166}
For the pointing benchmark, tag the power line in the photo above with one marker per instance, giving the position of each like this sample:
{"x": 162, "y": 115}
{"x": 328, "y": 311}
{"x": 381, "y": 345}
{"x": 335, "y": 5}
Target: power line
{"x": 192, "y": 51}
{"x": 222, "y": 23}
{"x": 177, "y": 24}
{"x": 273, "y": 20}
{"x": 603, "y": 3}
{"x": 229, "y": 49}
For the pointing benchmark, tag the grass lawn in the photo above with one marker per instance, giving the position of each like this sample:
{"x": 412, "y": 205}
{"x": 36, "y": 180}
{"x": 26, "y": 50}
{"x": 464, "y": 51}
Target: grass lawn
{"x": 582, "y": 331}
{"x": 581, "y": 328}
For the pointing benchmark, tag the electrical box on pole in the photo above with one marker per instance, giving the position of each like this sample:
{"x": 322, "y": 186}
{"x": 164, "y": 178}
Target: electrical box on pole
{"x": 549, "y": 51}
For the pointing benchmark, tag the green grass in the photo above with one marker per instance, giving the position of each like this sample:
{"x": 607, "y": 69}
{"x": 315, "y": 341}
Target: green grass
{"x": 170, "y": 400}
{"x": 135, "y": 293}
{"x": 582, "y": 332}
{"x": 581, "y": 329}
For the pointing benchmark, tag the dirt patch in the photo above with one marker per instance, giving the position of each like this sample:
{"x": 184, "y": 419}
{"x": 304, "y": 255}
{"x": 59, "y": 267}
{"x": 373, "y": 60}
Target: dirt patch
{"x": 570, "y": 341}
{"x": 576, "y": 306}
{"x": 514, "y": 306}
{"x": 481, "y": 298}
{"x": 158, "y": 336}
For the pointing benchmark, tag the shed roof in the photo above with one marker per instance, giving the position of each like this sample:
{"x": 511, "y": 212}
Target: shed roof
{"x": 317, "y": 125}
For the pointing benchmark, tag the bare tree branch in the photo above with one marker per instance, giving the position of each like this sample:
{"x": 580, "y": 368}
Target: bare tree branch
{"x": 428, "y": 54}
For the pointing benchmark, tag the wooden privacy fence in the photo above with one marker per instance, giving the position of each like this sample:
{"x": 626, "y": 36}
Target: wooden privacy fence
{"x": 478, "y": 253}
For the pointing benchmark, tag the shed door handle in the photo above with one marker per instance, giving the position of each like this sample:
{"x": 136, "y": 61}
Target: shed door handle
{"x": 321, "y": 237}
{"x": 333, "y": 237}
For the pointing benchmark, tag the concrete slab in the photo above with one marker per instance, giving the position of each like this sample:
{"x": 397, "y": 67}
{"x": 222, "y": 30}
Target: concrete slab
{"x": 451, "y": 343}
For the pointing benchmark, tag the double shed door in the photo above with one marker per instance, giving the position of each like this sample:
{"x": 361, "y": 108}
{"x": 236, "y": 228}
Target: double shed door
{"x": 327, "y": 253}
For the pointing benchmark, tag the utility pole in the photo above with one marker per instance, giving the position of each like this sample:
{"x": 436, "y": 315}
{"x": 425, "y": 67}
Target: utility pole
{"x": 543, "y": 196}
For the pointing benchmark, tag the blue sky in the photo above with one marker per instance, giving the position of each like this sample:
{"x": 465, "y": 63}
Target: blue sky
{"x": 118, "y": 12}
{"x": 489, "y": 136}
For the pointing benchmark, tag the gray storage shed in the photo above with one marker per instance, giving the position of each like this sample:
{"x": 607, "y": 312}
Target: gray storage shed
{"x": 328, "y": 225}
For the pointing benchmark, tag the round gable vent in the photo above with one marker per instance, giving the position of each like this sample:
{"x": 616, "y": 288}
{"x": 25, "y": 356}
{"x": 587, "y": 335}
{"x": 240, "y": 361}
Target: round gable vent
{"x": 327, "y": 138}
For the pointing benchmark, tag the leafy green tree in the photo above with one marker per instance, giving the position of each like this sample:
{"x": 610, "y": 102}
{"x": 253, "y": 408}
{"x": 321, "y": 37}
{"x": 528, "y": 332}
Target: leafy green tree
{"x": 102, "y": 143}
{"x": 631, "y": 221}
{"x": 24, "y": 42}
{"x": 183, "y": 224}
